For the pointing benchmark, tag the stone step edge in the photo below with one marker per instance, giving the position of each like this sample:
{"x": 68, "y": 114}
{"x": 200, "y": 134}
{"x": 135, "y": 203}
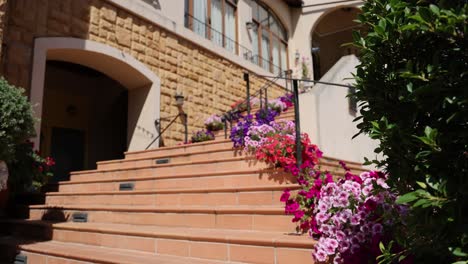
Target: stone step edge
{"x": 175, "y": 176}
{"x": 109, "y": 255}
{"x": 168, "y": 156}
{"x": 184, "y": 190}
{"x": 209, "y": 142}
{"x": 247, "y": 158}
{"x": 184, "y": 175}
{"x": 257, "y": 238}
{"x": 231, "y": 159}
{"x": 218, "y": 210}
{"x": 350, "y": 164}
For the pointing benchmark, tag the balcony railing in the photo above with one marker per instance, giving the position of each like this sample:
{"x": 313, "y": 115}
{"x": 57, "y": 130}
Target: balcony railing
{"x": 205, "y": 30}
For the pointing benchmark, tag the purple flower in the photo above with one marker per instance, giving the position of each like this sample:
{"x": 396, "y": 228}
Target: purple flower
{"x": 285, "y": 196}
{"x": 298, "y": 215}
{"x": 239, "y": 131}
{"x": 265, "y": 115}
{"x": 355, "y": 220}
{"x": 320, "y": 255}
{"x": 340, "y": 235}
{"x": 322, "y": 217}
{"x": 377, "y": 228}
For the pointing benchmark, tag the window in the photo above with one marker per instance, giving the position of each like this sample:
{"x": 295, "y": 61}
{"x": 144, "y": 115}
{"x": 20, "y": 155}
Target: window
{"x": 214, "y": 20}
{"x": 269, "y": 39}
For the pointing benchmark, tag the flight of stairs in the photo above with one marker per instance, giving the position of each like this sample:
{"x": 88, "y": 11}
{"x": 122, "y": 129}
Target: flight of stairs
{"x": 197, "y": 203}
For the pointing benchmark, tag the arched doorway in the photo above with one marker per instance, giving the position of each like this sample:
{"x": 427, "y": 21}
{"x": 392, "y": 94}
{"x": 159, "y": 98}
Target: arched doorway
{"x": 96, "y": 99}
{"x": 332, "y": 30}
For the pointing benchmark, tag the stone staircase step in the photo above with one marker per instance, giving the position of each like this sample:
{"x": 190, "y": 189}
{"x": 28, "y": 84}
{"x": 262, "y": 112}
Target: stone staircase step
{"x": 214, "y": 165}
{"x": 173, "y": 150}
{"x": 255, "y": 195}
{"x": 259, "y": 218}
{"x": 194, "y": 156}
{"x": 243, "y": 163}
{"x": 182, "y": 181}
{"x": 199, "y": 243}
{"x": 227, "y": 152}
{"x": 55, "y": 252}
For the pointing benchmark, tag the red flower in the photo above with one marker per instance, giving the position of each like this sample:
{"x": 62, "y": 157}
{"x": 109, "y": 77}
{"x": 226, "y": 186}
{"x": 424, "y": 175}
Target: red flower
{"x": 49, "y": 161}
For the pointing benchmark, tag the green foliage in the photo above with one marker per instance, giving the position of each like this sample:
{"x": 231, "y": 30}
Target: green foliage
{"x": 28, "y": 170}
{"x": 16, "y": 119}
{"x": 413, "y": 85}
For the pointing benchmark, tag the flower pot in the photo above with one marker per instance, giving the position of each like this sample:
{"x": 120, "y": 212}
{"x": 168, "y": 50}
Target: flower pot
{"x": 3, "y": 185}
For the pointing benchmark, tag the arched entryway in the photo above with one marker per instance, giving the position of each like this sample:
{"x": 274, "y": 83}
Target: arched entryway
{"x": 96, "y": 99}
{"x": 333, "y": 29}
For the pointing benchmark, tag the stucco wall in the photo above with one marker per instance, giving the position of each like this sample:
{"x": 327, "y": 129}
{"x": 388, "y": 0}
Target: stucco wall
{"x": 325, "y": 115}
{"x": 211, "y": 83}
{"x": 304, "y": 20}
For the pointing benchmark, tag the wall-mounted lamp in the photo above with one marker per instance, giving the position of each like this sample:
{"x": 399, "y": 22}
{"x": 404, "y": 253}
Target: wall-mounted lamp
{"x": 249, "y": 25}
{"x": 179, "y": 100}
{"x": 297, "y": 55}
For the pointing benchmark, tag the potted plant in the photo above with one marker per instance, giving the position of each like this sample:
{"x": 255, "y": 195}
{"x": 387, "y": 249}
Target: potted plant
{"x": 16, "y": 125}
{"x": 214, "y": 123}
{"x": 202, "y": 135}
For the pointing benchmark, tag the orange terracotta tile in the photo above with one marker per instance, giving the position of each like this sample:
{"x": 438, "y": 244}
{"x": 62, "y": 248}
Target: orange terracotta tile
{"x": 173, "y": 247}
{"x": 252, "y": 254}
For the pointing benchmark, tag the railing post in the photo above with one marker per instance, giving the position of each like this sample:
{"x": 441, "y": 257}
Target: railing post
{"x": 261, "y": 98}
{"x": 298, "y": 125}
{"x": 225, "y": 125}
{"x": 247, "y": 81}
{"x": 266, "y": 98}
{"x": 186, "y": 127}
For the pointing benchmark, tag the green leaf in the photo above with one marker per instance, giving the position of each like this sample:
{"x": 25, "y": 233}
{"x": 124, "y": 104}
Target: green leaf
{"x": 421, "y": 202}
{"x": 435, "y": 9}
{"x": 425, "y": 14}
{"x": 381, "y": 247}
{"x": 407, "y": 198}
{"x": 422, "y": 184}
{"x": 459, "y": 253}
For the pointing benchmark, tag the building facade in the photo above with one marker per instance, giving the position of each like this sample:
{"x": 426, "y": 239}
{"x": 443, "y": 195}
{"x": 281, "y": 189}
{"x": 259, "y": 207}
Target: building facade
{"x": 100, "y": 72}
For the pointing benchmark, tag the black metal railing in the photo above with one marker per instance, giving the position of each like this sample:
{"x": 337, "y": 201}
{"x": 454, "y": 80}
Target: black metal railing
{"x": 217, "y": 37}
{"x": 205, "y": 30}
{"x": 157, "y": 124}
{"x": 266, "y": 64}
{"x": 286, "y": 76}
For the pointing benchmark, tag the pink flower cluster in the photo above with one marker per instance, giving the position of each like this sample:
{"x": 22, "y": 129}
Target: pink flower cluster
{"x": 213, "y": 119}
{"x": 348, "y": 217}
{"x": 277, "y": 105}
{"x": 258, "y": 134}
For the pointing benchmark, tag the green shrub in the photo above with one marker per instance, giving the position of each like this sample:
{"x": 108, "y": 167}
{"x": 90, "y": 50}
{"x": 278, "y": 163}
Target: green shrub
{"x": 28, "y": 170}
{"x": 413, "y": 84}
{"x": 16, "y": 119}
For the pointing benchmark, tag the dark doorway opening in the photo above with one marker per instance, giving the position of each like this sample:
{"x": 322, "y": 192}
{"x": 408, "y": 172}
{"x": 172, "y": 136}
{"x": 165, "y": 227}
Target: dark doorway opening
{"x": 84, "y": 118}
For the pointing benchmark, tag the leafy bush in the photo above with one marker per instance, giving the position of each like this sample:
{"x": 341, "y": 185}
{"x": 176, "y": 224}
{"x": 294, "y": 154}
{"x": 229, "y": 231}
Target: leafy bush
{"x": 16, "y": 119}
{"x": 28, "y": 170}
{"x": 413, "y": 83}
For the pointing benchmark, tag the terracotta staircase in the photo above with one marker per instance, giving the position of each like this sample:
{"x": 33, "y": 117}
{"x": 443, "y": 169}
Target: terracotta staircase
{"x": 197, "y": 203}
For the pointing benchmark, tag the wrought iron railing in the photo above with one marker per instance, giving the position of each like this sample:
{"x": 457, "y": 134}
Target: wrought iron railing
{"x": 157, "y": 124}
{"x": 205, "y": 30}
{"x": 286, "y": 76}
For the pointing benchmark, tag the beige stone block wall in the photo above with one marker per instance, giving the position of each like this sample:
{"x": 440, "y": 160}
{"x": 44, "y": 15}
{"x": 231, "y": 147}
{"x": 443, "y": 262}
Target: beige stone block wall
{"x": 210, "y": 83}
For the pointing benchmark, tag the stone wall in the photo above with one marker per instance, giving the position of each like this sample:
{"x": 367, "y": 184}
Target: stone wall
{"x": 210, "y": 83}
